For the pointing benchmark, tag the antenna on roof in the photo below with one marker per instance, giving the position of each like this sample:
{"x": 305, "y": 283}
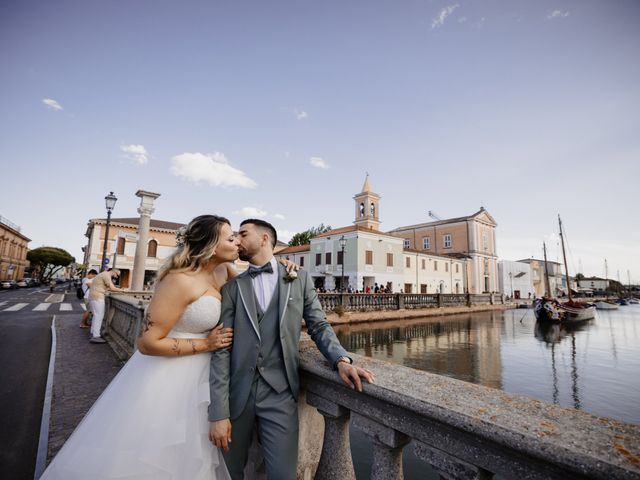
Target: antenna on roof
{"x": 434, "y": 215}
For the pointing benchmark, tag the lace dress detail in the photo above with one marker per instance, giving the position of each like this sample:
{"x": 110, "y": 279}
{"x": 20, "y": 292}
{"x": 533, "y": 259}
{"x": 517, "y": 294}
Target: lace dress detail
{"x": 151, "y": 422}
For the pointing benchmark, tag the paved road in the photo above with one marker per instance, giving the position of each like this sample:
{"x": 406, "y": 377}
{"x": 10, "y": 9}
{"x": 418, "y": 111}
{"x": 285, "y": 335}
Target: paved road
{"x": 25, "y": 345}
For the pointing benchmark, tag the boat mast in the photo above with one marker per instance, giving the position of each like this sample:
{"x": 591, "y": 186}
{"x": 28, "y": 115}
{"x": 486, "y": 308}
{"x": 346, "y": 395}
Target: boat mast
{"x": 547, "y": 287}
{"x": 564, "y": 256}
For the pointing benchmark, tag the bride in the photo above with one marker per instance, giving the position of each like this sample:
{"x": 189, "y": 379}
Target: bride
{"x": 151, "y": 421}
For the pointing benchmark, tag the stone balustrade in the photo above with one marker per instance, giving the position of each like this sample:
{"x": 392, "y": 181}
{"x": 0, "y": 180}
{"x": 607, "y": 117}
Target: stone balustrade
{"x": 364, "y": 302}
{"x": 462, "y": 430}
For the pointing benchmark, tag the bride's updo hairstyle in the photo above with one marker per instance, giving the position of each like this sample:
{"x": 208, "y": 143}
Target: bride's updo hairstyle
{"x": 195, "y": 245}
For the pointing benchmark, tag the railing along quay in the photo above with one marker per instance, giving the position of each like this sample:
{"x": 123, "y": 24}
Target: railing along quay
{"x": 462, "y": 430}
{"x": 363, "y": 302}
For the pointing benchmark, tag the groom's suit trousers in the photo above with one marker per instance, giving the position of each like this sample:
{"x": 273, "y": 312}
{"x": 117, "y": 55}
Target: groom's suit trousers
{"x": 276, "y": 417}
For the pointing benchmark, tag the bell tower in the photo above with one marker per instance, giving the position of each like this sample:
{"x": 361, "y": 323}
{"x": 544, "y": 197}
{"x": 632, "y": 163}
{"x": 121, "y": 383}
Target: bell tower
{"x": 367, "y": 207}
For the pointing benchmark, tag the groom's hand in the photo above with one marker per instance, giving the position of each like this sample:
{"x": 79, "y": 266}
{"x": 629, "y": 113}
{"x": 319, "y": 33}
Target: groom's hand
{"x": 220, "y": 433}
{"x": 351, "y": 375}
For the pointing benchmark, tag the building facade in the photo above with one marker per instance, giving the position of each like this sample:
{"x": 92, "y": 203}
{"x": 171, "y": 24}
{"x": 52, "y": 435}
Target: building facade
{"x": 515, "y": 279}
{"x": 13, "y": 251}
{"x": 557, "y": 282}
{"x": 371, "y": 257}
{"x": 473, "y": 237}
{"x": 121, "y": 245}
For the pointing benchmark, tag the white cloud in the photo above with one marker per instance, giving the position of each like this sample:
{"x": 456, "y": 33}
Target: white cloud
{"x": 136, "y": 153}
{"x": 285, "y": 235}
{"x": 479, "y": 24}
{"x": 558, "y": 14}
{"x": 212, "y": 168}
{"x": 438, "y": 21}
{"x": 318, "y": 163}
{"x": 301, "y": 114}
{"x": 52, "y": 104}
{"x": 252, "y": 212}
{"x": 279, "y": 216}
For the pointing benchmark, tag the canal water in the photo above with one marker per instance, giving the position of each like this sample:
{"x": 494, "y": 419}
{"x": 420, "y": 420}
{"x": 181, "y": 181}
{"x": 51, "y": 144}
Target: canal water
{"x": 592, "y": 366}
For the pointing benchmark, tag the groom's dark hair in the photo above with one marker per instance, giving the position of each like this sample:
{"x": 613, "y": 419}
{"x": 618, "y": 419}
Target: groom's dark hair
{"x": 266, "y": 226}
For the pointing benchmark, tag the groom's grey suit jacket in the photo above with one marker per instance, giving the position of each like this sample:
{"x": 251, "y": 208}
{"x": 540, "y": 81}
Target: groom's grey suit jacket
{"x": 233, "y": 369}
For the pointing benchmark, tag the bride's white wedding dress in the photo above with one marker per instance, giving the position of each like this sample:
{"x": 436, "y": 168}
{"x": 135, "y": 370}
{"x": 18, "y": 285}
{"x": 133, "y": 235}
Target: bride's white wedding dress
{"x": 151, "y": 421}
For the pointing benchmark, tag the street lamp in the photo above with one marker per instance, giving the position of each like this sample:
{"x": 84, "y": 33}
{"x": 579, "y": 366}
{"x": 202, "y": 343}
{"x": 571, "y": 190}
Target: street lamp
{"x": 110, "y": 202}
{"x": 511, "y": 278}
{"x": 343, "y": 243}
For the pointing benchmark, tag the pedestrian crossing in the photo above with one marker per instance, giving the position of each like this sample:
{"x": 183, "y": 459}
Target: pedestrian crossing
{"x": 42, "y": 307}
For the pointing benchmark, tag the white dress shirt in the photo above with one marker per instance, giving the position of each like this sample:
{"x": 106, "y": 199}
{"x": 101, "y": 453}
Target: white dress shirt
{"x": 264, "y": 285}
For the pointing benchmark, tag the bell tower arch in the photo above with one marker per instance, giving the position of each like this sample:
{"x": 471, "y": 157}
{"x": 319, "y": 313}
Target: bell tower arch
{"x": 367, "y": 211}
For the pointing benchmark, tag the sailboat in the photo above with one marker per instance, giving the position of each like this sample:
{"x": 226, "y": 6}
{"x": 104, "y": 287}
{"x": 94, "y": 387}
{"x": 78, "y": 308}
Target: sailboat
{"x": 546, "y": 308}
{"x": 573, "y": 311}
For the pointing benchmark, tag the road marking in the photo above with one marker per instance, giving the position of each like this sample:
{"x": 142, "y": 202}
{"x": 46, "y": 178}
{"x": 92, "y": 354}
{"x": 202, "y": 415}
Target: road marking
{"x": 16, "y": 307}
{"x": 42, "y": 307}
{"x": 66, "y": 307}
{"x": 55, "y": 298}
{"x": 2, "y": 303}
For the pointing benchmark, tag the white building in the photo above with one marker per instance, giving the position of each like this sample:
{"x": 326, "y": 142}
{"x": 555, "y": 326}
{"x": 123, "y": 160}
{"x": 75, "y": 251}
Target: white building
{"x": 372, "y": 257}
{"x": 515, "y": 279}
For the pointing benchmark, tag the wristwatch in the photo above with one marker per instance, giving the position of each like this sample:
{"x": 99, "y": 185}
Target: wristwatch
{"x": 343, "y": 359}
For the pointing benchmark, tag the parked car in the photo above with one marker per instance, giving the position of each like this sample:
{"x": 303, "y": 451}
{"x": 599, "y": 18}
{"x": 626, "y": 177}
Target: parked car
{"x": 8, "y": 285}
{"x": 22, "y": 284}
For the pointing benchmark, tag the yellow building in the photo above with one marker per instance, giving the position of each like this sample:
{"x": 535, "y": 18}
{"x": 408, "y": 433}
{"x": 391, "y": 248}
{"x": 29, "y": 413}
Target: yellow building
{"x": 121, "y": 245}
{"x": 13, "y": 251}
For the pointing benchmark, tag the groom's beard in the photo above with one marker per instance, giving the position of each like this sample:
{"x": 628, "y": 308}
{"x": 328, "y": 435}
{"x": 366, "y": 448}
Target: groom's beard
{"x": 245, "y": 256}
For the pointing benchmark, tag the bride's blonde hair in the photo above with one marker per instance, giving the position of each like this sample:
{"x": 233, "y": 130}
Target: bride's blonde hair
{"x": 195, "y": 245}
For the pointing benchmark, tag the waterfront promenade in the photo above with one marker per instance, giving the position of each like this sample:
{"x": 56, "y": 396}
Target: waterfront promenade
{"x": 463, "y": 430}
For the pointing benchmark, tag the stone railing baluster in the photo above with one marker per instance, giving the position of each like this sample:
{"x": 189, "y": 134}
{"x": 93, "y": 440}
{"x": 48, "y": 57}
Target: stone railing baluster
{"x": 449, "y": 467}
{"x": 387, "y": 448}
{"x": 335, "y": 460}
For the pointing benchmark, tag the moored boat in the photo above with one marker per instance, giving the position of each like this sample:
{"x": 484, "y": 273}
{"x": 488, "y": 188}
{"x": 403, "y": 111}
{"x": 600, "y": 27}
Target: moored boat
{"x": 602, "y": 305}
{"x": 622, "y": 301}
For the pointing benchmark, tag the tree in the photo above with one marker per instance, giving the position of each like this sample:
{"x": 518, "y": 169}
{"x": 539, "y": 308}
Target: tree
{"x": 48, "y": 261}
{"x": 578, "y": 277}
{"x": 305, "y": 237}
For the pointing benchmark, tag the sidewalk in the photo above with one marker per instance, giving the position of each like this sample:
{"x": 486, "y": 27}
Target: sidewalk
{"x": 82, "y": 372}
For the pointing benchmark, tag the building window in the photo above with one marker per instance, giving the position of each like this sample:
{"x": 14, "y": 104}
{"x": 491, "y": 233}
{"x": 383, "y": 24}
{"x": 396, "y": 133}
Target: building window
{"x": 446, "y": 266}
{"x": 340, "y": 258}
{"x": 408, "y": 287}
{"x": 457, "y": 268}
{"x": 407, "y": 262}
{"x": 446, "y": 239}
{"x": 407, "y": 243}
{"x": 368, "y": 257}
{"x": 424, "y": 264}
{"x": 486, "y": 266}
{"x": 152, "y": 249}
{"x": 426, "y": 243}
{"x": 120, "y": 247}
{"x": 485, "y": 242}
{"x": 389, "y": 259}
{"x": 423, "y": 288}
{"x": 328, "y": 258}
{"x": 435, "y": 265}
{"x": 302, "y": 261}
{"x": 318, "y": 258}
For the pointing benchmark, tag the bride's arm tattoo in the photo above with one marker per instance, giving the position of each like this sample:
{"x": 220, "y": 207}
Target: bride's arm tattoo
{"x": 176, "y": 346}
{"x": 193, "y": 346}
{"x": 148, "y": 322}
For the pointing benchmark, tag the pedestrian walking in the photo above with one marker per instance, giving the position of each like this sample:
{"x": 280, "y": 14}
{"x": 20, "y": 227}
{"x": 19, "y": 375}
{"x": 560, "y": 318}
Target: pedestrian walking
{"x": 100, "y": 285}
{"x": 86, "y": 284}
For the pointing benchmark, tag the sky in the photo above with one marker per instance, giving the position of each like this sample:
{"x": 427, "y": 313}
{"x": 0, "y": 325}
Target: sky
{"x": 278, "y": 109}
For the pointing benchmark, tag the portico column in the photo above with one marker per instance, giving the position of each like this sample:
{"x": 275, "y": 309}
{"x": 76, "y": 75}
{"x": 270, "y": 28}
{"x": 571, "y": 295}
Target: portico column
{"x": 145, "y": 210}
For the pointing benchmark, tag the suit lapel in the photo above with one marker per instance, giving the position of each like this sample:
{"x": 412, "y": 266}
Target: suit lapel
{"x": 248, "y": 297}
{"x": 285, "y": 290}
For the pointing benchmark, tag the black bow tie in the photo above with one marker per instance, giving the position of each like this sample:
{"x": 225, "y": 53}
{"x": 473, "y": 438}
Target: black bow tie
{"x": 255, "y": 271}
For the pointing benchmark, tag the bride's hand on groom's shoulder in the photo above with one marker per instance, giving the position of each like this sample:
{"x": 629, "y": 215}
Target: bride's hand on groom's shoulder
{"x": 220, "y": 337}
{"x": 352, "y": 375}
{"x": 289, "y": 266}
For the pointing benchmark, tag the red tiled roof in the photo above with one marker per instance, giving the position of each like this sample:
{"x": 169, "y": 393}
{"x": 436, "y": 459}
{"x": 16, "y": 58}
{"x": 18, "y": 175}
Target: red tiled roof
{"x": 353, "y": 228}
{"x": 295, "y": 249}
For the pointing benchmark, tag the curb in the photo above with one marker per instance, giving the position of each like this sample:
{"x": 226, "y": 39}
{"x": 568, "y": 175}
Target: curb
{"x": 43, "y": 442}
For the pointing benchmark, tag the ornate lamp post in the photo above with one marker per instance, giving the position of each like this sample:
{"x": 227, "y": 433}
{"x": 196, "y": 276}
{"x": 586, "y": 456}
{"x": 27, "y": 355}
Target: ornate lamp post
{"x": 110, "y": 202}
{"x": 343, "y": 243}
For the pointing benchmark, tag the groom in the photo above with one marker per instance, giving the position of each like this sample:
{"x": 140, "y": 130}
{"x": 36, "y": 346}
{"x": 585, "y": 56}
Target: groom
{"x": 255, "y": 382}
